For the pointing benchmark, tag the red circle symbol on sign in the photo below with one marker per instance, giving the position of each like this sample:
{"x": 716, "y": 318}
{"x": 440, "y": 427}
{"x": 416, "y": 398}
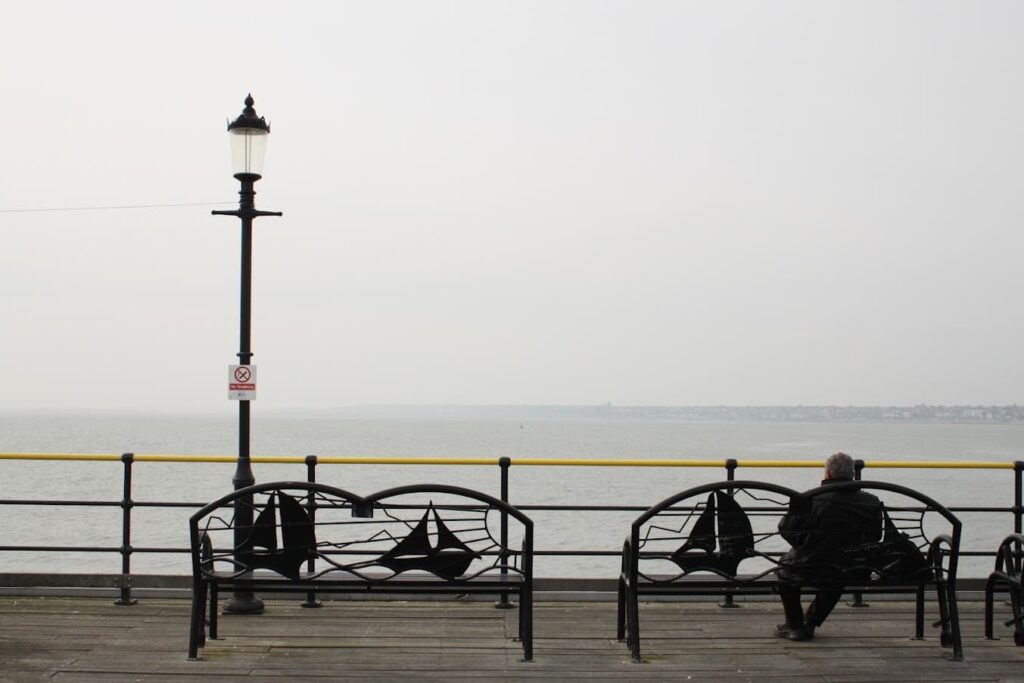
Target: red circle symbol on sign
{"x": 242, "y": 374}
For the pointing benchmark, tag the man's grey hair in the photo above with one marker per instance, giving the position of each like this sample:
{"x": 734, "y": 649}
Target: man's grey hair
{"x": 839, "y": 466}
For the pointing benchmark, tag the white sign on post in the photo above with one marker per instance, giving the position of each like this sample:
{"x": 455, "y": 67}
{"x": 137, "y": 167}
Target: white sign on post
{"x": 242, "y": 382}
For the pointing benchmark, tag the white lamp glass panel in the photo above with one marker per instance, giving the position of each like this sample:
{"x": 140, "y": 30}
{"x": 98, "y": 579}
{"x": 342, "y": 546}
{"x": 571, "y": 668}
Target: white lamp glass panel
{"x": 248, "y": 147}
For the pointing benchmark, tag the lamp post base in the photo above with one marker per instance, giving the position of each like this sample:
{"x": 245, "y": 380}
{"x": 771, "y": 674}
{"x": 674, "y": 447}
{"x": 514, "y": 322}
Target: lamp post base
{"x": 244, "y": 603}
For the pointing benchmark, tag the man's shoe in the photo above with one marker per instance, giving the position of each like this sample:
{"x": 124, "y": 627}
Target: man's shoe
{"x": 782, "y": 628}
{"x": 810, "y": 620}
{"x": 797, "y": 634}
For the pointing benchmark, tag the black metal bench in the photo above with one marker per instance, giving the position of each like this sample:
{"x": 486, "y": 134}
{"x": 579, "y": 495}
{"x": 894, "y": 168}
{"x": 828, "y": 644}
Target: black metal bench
{"x": 693, "y": 543}
{"x": 298, "y": 537}
{"x": 1008, "y": 576}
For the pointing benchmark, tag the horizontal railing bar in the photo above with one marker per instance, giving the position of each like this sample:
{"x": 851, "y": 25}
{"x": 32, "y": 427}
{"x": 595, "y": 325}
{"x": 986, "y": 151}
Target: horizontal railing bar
{"x": 169, "y": 504}
{"x": 61, "y": 456}
{"x": 634, "y": 508}
{"x": 540, "y": 508}
{"x": 521, "y": 462}
{"x": 930, "y": 464}
{"x": 532, "y": 508}
{"x": 76, "y": 503}
{"x": 184, "y": 551}
{"x": 61, "y": 548}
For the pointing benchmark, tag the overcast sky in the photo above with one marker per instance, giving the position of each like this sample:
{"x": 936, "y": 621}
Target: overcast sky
{"x": 516, "y": 203}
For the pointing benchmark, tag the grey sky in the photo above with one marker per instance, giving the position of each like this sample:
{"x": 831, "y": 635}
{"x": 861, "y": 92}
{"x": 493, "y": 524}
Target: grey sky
{"x": 549, "y": 202}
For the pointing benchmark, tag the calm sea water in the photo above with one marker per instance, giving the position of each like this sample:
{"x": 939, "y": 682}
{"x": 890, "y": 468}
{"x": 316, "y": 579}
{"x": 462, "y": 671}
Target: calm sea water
{"x": 562, "y": 438}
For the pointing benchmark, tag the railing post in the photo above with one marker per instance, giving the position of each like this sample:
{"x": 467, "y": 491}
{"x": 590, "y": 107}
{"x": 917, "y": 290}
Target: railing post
{"x": 858, "y": 471}
{"x": 730, "y": 474}
{"x": 504, "y": 463}
{"x": 1018, "y": 495}
{"x": 311, "y": 600}
{"x": 730, "y": 469}
{"x": 1018, "y": 508}
{"x": 311, "y": 469}
{"x": 125, "y": 580}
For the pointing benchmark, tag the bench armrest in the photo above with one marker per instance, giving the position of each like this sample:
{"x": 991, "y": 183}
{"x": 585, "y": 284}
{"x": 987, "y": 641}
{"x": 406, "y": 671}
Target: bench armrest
{"x": 1008, "y": 554}
{"x": 936, "y": 555}
{"x": 205, "y": 551}
{"x": 202, "y": 554}
{"x": 629, "y": 562}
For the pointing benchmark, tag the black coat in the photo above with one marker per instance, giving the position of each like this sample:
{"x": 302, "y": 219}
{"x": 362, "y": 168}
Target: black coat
{"x": 823, "y": 529}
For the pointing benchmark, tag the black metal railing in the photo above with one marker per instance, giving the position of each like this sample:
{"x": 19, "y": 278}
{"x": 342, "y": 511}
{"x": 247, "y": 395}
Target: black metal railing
{"x": 127, "y": 504}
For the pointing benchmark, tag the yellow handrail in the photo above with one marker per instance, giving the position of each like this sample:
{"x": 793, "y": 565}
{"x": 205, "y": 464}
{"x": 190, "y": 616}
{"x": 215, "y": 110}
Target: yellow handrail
{"x": 519, "y": 462}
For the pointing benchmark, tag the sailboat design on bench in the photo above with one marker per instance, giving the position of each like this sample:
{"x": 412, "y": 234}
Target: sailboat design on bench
{"x": 298, "y": 540}
{"x": 448, "y": 559}
{"x": 719, "y": 551}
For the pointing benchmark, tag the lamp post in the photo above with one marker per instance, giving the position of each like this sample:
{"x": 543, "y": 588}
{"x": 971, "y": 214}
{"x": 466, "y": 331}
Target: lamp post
{"x": 248, "y": 134}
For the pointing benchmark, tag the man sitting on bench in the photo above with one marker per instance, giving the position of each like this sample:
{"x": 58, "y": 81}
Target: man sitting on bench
{"x": 819, "y": 531}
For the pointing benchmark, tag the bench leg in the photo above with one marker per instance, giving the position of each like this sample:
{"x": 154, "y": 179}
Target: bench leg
{"x": 1016, "y": 598}
{"x": 196, "y": 627}
{"x": 522, "y": 623}
{"x": 311, "y": 601}
{"x": 633, "y": 623}
{"x": 953, "y": 614}
{"x": 204, "y": 603}
{"x": 919, "y": 613}
{"x": 858, "y": 600}
{"x": 728, "y": 603}
{"x": 990, "y": 587}
{"x": 620, "y": 617}
{"x": 214, "y": 594}
{"x": 942, "y": 593}
{"x": 949, "y": 619}
{"x": 526, "y": 621}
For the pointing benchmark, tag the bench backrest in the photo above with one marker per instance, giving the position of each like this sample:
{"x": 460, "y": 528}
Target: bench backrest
{"x": 731, "y": 529}
{"x": 713, "y": 528}
{"x": 308, "y": 529}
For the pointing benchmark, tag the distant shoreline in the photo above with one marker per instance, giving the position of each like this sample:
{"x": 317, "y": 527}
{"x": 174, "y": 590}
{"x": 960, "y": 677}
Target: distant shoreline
{"x": 958, "y": 414}
{"x": 921, "y": 413}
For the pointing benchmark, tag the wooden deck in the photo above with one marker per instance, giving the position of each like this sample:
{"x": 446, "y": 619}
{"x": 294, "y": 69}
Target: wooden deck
{"x": 90, "y": 639}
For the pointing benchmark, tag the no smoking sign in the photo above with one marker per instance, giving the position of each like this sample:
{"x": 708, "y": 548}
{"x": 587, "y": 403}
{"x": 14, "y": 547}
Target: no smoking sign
{"x": 242, "y": 382}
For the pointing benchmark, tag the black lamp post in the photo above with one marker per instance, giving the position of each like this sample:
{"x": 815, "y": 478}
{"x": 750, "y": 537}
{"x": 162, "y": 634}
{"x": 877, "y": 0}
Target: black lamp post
{"x": 248, "y": 134}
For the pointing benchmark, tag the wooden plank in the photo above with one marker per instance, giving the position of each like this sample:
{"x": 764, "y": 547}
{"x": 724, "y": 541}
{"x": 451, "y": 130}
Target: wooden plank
{"x": 77, "y": 639}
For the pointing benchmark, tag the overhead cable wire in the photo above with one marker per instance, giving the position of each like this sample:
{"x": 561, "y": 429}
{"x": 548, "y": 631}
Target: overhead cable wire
{"x": 112, "y": 208}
